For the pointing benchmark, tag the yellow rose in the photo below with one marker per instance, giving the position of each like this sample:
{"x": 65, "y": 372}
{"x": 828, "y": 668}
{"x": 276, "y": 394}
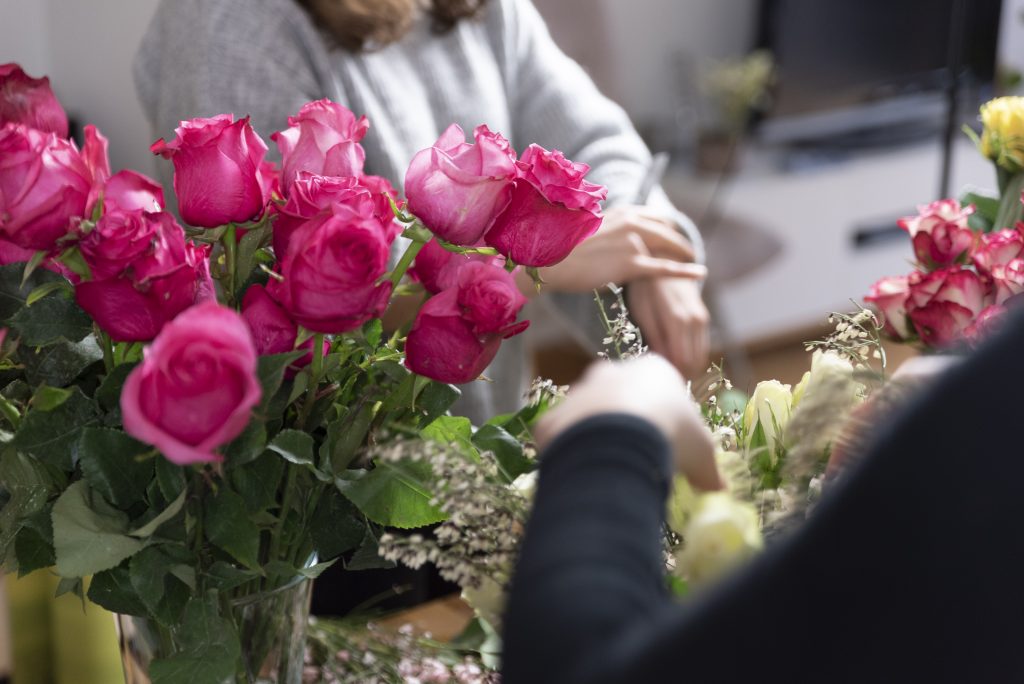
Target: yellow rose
{"x": 721, "y": 534}
{"x": 770, "y": 407}
{"x": 1003, "y": 137}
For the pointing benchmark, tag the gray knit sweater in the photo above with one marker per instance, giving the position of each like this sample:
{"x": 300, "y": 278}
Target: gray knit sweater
{"x": 265, "y": 58}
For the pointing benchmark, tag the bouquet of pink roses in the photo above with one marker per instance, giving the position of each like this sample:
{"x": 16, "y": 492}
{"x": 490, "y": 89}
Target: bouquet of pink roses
{"x": 191, "y": 413}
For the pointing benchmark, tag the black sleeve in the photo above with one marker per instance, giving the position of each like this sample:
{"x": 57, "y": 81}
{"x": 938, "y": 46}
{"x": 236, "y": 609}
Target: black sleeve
{"x": 911, "y": 570}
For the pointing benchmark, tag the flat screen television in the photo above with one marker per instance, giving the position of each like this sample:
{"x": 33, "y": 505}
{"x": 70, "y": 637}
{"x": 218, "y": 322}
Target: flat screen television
{"x": 857, "y": 70}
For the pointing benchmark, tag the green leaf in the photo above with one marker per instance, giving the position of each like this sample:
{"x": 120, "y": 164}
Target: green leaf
{"x": 46, "y": 289}
{"x": 29, "y": 486}
{"x": 51, "y": 436}
{"x": 373, "y": 330}
{"x": 163, "y": 595}
{"x": 33, "y": 551}
{"x": 224, "y": 576}
{"x": 987, "y": 207}
{"x": 435, "y": 399}
{"x": 111, "y": 465}
{"x": 246, "y": 253}
{"x": 314, "y": 571}
{"x": 14, "y": 293}
{"x": 394, "y": 495}
{"x": 112, "y": 589}
{"x": 58, "y": 364}
{"x": 451, "y": 430}
{"x": 48, "y": 398}
{"x": 296, "y": 447}
{"x": 248, "y": 445}
{"x": 257, "y": 482}
{"x": 167, "y": 514}
{"x": 271, "y": 373}
{"x": 88, "y": 534}
{"x": 345, "y": 435}
{"x": 33, "y": 263}
{"x": 50, "y": 320}
{"x": 170, "y": 478}
{"x": 505, "y": 448}
{"x": 367, "y": 556}
{"x": 228, "y": 526}
{"x": 210, "y": 651}
{"x": 109, "y": 393}
{"x": 336, "y": 526}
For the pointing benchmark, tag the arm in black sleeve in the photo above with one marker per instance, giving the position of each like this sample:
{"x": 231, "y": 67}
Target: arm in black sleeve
{"x": 909, "y": 571}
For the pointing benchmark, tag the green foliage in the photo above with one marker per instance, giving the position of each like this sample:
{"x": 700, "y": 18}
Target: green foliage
{"x": 51, "y": 436}
{"x": 506, "y": 449}
{"x": 34, "y": 543}
{"x": 89, "y": 535}
{"x": 209, "y": 649}
{"x": 15, "y": 290}
{"x": 336, "y": 526}
{"x": 393, "y": 495}
{"x": 58, "y": 364}
{"x": 113, "y": 464}
{"x": 162, "y": 593}
{"x": 50, "y": 320}
{"x": 112, "y": 589}
{"x": 227, "y": 525}
{"x": 29, "y": 486}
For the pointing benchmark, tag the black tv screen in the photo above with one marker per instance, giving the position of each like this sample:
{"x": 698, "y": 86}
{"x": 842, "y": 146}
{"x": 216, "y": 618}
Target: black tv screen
{"x": 844, "y": 65}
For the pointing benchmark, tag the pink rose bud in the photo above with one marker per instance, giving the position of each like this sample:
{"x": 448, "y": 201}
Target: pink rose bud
{"x": 552, "y": 210}
{"x": 989, "y": 321}
{"x": 436, "y": 268}
{"x": 323, "y": 139}
{"x": 311, "y": 195}
{"x": 1008, "y": 279}
{"x": 998, "y": 248}
{"x": 219, "y": 174}
{"x": 118, "y": 239}
{"x": 131, "y": 191}
{"x": 331, "y": 271}
{"x": 943, "y": 303}
{"x": 458, "y": 189}
{"x": 458, "y": 332}
{"x": 940, "y": 233}
{"x": 30, "y": 101}
{"x": 44, "y": 184}
{"x": 196, "y": 386}
{"x": 889, "y": 296}
{"x": 159, "y": 282}
{"x": 273, "y": 331}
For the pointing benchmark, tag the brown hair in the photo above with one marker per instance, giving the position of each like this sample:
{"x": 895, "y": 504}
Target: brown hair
{"x": 360, "y": 24}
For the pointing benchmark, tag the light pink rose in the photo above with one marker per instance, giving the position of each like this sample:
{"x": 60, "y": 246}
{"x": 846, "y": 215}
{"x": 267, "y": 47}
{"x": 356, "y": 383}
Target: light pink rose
{"x": 457, "y": 189}
{"x": 273, "y": 331}
{"x": 989, "y": 321}
{"x": 30, "y": 101}
{"x": 940, "y": 233}
{"x": 889, "y": 296}
{"x": 457, "y": 333}
{"x": 997, "y": 248}
{"x": 553, "y": 209}
{"x": 436, "y": 268}
{"x": 44, "y": 184}
{"x": 332, "y": 268}
{"x": 943, "y": 303}
{"x": 196, "y": 386}
{"x": 323, "y": 139}
{"x": 131, "y": 191}
{"x": 1008, "y": 280}
{"x": 219, "y": 171}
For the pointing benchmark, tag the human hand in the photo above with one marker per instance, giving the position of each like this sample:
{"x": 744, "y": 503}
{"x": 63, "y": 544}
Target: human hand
{"x": 648, "y": 387}
{"x": 673, "y": 320}
{"x": 631, "y": 244}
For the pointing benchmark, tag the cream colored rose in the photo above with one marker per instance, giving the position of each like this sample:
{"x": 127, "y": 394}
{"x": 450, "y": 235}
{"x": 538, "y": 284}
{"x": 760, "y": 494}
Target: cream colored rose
{"x": 826, "y": 368}
{"x": 1003, "y": 138}
{"x": 488, "y": 601}
{"x": 722, "y": 533}
{"x": 770, "y": 407}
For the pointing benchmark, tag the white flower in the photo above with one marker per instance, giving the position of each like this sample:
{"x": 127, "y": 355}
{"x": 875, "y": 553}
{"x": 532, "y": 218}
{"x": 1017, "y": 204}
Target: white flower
{"x": 722, "y": 533}
{"x": 769, "y": 407}
{"x": 826, "y": 366}
{"x": 488, "y": 601}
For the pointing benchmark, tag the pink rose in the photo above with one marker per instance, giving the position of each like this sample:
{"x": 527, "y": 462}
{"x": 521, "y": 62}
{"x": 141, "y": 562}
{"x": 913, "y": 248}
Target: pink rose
{"x": 940, "y": 233}
{"x": 457, "y": 189}
{"x": 118, "y": 239}
{"x": 323, "y": 138}
{"x": 458, "y": 332}
{"x": 889, "y": 295}
{"x": 943, "y": 303}
{"x": 311, "y": 195}
{"x": 552, "y": 210}
{"x": 272, "y": 330}
{"x": 11, "y": 253}
{"x": 1008, "y": 280}
{"x": 131, "y": 191}
{"x": 160, "y": 282}
{"x": 999, "y": 247}
{"x": 30, "y": 101}
{"x": 989, "y": 321}
{"x": 44, "y": 183}
{"x": 331, "y": 271}
{"x": 436, "y": 268}
{"x": 219, "y": 172}
{"x": 196, "y": 386}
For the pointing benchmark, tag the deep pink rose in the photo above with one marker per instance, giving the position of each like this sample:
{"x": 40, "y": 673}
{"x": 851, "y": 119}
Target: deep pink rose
{"x": 196, "y": 386}
{"x": 219, "y": 174}
{"x": 989, "y": 321}
{"x": 272, "y": 329}
{"x": 943, "y": 303}
{"x": 11, "y": 253}
{"x": 131, "y": 191}
{"x": 457, "y": 189}
{"x": 436, "y": 268}
{"x": 311, "y": 195}
{"x": 323, "y": 138}
{"x": 331, "y": 271}
{"x": 940, "y": 233}
{"x": 30, "y": 101}
{"x": 161, "y": 281}
{"x": 889, "y": 295}
{"x": 458, "y": 332}
{"x": 44, "y": 184}
{"x": 997, "y": 248}
{"x": 552, "y": 210}
{"x": 118, "y": 239}
{"x": 1008, "y": 280}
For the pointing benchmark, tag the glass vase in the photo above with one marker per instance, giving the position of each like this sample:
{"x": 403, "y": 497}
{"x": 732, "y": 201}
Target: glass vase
{"x": 271, "y": 626}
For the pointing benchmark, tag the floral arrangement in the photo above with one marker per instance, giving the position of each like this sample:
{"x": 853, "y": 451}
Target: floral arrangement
{"x": 968, "y": 252}
{"x": 196, "y": 416}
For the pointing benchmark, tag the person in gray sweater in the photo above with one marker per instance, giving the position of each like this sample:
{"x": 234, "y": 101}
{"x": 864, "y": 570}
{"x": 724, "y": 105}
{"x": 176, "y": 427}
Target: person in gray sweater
{"x": 413, "y": 71}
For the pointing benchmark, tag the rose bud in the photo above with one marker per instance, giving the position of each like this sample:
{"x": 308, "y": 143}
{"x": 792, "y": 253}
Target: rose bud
{"x": 943, "y": 303}
{"x": 940, "y": 233}
{"x": 999, "y": 247}
{"x": 436, "y": 268}
{"x": 131, "y": 191}
{"x": 458, "y": 332}
{"x": 196, "y": 386}
{"x": 219, "y": 174}
{"x": 323, "y": 138}
{"x": 889, "y": 296}
{"x": 331, "y": 271}
{"x": 457, "y": 189}
{"x": 30, "y": 101}
{"x": 552, "y": 210}
{"x": 44, "y": 183}
{"x": 118, "y": 239}
{"x": 272, "y": 330}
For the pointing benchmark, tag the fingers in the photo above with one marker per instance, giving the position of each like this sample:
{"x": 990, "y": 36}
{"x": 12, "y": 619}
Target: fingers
{"x": 641, "y": 266}
{"x": 661, "y": 239}
{"x": 695, "y": 459}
